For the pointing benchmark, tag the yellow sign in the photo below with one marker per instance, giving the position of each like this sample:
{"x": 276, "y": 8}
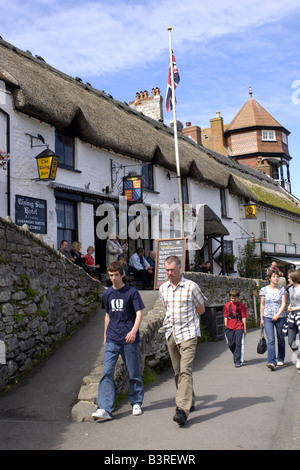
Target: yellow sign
{"x": 250, "y": 211}
{"x": 47, "y": 165}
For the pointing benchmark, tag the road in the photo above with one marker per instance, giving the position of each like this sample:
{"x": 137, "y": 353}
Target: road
{"x": 249, "y": 408}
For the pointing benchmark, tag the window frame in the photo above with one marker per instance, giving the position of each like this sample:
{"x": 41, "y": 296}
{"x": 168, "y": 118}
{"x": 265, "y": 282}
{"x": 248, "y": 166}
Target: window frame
{"x": 270, "y": 135}
{"x": 64, "y": 135}
{"x": 66, "y": 232}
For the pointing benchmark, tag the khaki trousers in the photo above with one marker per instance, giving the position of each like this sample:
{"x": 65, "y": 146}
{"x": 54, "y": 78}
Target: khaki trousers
{"x": 182, "y": 356}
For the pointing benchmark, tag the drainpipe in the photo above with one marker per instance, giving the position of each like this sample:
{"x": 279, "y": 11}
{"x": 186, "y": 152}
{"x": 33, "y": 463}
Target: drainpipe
{"x": 8, "y": 187}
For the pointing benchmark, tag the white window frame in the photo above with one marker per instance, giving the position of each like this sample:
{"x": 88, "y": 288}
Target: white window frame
{"x": 264, "y": 230}
{"x": 268, "y": 134}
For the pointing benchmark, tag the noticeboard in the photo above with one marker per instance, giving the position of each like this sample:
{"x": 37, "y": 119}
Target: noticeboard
{"x": 33, "y": 212}
{"x": 164, "y": 248}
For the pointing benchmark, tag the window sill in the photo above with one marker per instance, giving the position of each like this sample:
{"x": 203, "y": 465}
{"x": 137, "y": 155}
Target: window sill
{"x": 69, "y": 168}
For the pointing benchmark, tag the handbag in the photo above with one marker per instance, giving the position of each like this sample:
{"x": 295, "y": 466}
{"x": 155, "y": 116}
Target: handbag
{"x": 262, "y": 343}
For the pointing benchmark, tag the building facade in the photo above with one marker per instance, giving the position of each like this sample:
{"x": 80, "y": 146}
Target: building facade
{"x": 105, "y": 146}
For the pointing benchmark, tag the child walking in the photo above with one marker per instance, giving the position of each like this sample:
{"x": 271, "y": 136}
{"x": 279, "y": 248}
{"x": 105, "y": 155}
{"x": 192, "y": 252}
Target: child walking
{"x": 235, "y": 315}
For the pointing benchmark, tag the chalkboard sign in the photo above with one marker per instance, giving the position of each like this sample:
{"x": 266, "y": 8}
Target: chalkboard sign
{"x": 165, "y": 248}
{"x": 32, "y": 212}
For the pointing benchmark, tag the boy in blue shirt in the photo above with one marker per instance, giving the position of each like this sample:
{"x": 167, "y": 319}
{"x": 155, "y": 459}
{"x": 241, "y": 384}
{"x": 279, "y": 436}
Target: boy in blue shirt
{"x": 124, "y": 309}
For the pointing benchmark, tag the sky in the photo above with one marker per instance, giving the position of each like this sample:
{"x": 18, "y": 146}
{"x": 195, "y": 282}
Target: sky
{"x": 221, "y": 47}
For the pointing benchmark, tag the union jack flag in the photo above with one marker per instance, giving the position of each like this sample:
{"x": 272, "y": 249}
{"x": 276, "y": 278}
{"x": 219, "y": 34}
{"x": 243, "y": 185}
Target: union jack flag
{"x": 169, "y": 104}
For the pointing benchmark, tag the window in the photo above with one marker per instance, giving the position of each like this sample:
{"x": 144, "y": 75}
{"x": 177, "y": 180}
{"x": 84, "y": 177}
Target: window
{"x": 4, "y": 131}
{"x": 268, "y": 135}
{"x": 64, "y": 147}
{"x": 184, "y": 190}
{"x": 228, "y": 256}
{"x": 263, "y": 230}
{"x": 223, "y": 200}
{"x": 147, "y": 173}
{"x": 66, "y": 221}
{"x": 284, "y": 138}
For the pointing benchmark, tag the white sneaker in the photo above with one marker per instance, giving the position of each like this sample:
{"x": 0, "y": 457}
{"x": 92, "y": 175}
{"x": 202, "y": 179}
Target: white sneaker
{"x": 136, "y": 410}
{"x": 280, "y": 363}
{"x": 101, "y": 414}
{"x": 298, "y": 364}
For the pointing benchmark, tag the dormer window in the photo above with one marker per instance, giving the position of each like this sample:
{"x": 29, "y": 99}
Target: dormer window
{"x": 268, "y": 135}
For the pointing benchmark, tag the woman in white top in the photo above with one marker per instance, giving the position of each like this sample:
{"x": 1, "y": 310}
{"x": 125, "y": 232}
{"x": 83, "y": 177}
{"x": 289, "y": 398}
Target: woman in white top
{"x": 272, "y": 312}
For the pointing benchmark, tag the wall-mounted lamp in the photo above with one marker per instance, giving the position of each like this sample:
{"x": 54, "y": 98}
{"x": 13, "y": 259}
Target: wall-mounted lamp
{"x": 250, "y": 210}
{"x": 47, "y": 164}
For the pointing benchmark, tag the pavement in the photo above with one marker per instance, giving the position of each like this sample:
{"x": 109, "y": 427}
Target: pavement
{"x": 249, "y": 408}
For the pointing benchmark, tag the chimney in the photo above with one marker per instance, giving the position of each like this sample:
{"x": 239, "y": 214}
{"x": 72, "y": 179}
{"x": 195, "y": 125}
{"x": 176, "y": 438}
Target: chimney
{"x": 179, "y": 125}
{"x": 193, "y": 131}
{"x": 151, "y": 106}
{"x": 217, "y": 134}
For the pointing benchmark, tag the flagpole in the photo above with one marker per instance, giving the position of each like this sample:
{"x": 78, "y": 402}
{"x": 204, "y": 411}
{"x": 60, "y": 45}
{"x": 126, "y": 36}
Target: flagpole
{"x": 176, "y": 139}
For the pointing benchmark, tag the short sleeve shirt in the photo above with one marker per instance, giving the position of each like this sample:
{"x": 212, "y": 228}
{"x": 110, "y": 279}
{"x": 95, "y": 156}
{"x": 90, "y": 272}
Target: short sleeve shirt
{"x": 235, "y": 312}
{"x": 121, "y": 306}
{"x": 272, "y": 301}
{"x": 181, "y": 303}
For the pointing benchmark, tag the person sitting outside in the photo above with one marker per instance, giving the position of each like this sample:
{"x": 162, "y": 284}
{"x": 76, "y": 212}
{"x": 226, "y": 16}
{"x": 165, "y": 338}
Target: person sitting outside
{"x": 77, "y": 255}
{"x": 139, "y": 267}
{"x": 63, "y": 250}
{"x": 151, "y": 259}
{"x": 91, "y": 268}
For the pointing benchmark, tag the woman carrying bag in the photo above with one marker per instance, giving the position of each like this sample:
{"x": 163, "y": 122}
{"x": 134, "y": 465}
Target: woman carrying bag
{"x": 272, "y": 313}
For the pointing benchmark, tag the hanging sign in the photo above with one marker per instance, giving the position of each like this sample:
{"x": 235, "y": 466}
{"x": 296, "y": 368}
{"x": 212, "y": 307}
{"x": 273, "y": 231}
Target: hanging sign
{"x": 133, "y": 188}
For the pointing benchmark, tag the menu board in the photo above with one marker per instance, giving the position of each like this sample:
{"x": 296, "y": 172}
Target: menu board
{"x": 165, "y": 248}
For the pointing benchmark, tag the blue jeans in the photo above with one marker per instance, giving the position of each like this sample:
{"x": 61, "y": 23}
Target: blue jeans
{"x": 270, "y": 327}
{"x": 106, "y": 391}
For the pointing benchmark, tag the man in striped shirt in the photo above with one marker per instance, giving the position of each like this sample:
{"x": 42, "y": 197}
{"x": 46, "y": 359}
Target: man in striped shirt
{"x": 184, "y": 302}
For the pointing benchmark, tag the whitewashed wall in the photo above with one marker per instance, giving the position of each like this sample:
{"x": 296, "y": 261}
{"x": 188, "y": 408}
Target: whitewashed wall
{"x": 94, "y": 172}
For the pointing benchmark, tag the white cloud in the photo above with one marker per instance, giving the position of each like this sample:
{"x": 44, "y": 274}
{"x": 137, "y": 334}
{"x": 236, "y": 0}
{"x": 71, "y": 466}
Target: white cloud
{"x": 98, "y": 37}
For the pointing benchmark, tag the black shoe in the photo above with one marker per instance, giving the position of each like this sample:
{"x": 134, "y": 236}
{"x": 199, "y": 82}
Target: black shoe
{"x": 180, "y": 416}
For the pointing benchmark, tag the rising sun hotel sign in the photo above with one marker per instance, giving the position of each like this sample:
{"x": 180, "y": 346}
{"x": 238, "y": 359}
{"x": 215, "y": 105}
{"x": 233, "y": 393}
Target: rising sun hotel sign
{"x": 47, "y": 165}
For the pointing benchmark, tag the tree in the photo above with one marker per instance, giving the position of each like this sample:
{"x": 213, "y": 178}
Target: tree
{"x": 248, "y": 263}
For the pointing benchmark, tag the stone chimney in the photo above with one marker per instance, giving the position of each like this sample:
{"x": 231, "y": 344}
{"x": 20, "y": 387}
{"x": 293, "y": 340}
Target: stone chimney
{"x": 151, "y": 106}
{"x": 217, "y": 134}
{"x": 193, "y": 131}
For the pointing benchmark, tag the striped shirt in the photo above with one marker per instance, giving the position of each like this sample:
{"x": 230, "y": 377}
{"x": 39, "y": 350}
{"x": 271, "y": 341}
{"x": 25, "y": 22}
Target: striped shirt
{"x": 181, "y": 302}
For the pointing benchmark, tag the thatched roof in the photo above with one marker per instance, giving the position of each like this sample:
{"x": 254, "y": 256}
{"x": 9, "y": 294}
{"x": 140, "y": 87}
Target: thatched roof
{"x": 212, "y": 224}
{"x": 47, "y": 94}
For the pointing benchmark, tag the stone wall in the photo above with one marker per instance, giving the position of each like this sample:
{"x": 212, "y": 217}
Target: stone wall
{"x": 43, "y": 296}
{"x": 216, "y": 288}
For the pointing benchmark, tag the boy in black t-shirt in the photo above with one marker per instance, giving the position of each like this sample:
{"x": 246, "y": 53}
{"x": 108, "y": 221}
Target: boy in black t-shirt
{"x": 235, "y": 315}
{"x": 124, "y": 309}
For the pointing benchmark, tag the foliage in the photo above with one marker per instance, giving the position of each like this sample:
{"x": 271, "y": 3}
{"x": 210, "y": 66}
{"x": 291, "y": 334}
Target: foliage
{"x": 248, "y": 263}
{"x": 4, "y": 157}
